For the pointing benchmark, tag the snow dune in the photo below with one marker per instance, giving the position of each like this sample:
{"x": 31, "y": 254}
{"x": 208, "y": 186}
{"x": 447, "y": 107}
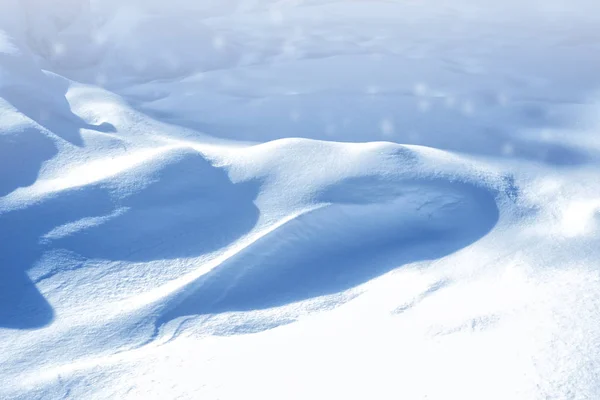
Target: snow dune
{"x": 350, "y": 242}
{"x": 299, "y": 199}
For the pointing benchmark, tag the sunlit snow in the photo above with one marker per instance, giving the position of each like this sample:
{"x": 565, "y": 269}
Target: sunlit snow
{"x": 299, "y": 199}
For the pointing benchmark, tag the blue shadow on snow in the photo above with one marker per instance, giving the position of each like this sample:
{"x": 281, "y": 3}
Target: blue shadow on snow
{"x": 185, "y": 208}
{"x": 371, "y": 228}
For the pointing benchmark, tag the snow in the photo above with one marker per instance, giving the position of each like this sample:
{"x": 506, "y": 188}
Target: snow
{"x": 299, "y": 199}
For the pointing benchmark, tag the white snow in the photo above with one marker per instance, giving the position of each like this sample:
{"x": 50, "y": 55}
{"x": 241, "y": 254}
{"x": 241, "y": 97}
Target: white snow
{"x": 299, "y": 199}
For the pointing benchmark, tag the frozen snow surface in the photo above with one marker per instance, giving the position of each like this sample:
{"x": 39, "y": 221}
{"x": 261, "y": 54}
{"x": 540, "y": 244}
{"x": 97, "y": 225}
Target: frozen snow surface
{"x": 299, "y": 199}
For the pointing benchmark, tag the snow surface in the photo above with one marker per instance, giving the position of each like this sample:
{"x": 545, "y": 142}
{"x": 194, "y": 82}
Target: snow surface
{"x": 299, "y": 199}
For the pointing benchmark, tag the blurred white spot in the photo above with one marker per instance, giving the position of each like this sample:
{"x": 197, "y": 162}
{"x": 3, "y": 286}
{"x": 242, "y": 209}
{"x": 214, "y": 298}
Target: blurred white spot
{"x": 372, "y": 89}
{"x": 58, "y": 49}
{"x": 467, "y": 108}
{"x": 420, "y": 89}
{"x": 219, "y": 42}
{"x": 424, "y": 106}
{"x": 449, "y": 101}
{"x": 295, "y": 116}
{"x": 508, "y": 149}
{"x": 275, "y": 16}
{"x": 196, "y": 77}
{"x": 99, "y": 38}
{"x": 546, "y": 135}
{"x": 386, "y": 126}
{"x": 503, "y": 99}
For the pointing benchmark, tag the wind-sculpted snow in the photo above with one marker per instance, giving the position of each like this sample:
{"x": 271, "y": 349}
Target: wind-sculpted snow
{"x": 344, "y": 244}
{"x": 181, "y": 194}
{"x": 312, "y": 199}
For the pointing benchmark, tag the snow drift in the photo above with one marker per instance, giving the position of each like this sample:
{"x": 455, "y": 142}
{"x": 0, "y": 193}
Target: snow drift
{"x": 299, "y": 199}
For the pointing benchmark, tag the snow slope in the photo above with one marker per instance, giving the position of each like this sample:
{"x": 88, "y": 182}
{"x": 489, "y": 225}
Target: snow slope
{"x": 299, "y": 199}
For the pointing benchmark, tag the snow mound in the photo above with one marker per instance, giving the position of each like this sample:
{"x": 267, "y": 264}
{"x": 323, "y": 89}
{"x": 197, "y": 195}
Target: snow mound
{"x": 352, "y": 240}
{"x": 211, "y": 199}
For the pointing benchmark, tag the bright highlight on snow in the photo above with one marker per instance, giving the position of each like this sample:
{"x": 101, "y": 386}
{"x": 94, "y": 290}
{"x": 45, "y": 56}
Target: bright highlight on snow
{"x": 303, "y": 199}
